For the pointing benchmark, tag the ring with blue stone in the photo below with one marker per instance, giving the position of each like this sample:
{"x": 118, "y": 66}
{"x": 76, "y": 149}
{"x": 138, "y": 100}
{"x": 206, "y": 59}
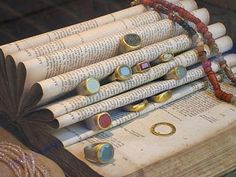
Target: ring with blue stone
{"x": 121, "y": 73}
{"x": 99, "y": 153}
{"x": 88, "y": 87}
{"x": 176, "y": 73}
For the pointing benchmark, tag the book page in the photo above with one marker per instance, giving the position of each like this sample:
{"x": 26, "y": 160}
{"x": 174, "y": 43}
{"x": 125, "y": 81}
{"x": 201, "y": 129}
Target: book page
{"x": 126, "y": 98}
{"x": 185, "y": 59}
{"x": 100, "y": 70}
{"x": 58, "y": 85}
{"x": 95, "y": 33}
{"x": 86, "y": 36}
{"x": 73, "y": 29}
{"x": 196, "y": 117}
{"x": 79, "y": 132}
{"x": 85, "y": 54}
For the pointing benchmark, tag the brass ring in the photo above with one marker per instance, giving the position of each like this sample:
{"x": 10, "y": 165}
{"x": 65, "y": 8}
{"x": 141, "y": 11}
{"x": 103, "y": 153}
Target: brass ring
{"x": 136, "y": 106}
{"x": 130, "y": 42}
{"x": 154, "y": 132}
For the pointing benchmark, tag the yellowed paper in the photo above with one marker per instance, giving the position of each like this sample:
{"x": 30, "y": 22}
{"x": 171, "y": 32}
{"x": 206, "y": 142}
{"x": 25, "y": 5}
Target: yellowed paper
{"x": 196, "y": 118}
{"x": 73, "y": 29}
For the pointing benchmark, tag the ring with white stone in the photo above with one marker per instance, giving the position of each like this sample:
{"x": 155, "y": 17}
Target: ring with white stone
{"x": 121, "y": 73}
{"x": 88, "y": 87}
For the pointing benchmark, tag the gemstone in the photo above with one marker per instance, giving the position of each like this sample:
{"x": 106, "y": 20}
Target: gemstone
{"x": 92, "y": 85}
{"x": 181, "y": 72}
{"x": 132, "y": 39}
{"x": 104, "y": 120}
{"x": 166, "y": 57}
{"x": 106, "y": 153}
{"x": 124, "y": 72}
{"x": 144, "y": 66}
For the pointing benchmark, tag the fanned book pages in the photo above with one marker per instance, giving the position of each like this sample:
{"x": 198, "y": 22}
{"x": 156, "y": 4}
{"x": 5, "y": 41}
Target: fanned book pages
{"x": 140, "y": 71}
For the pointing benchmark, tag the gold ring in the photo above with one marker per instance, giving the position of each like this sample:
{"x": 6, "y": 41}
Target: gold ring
{"x": 136, "y": 106}
{"x": 141, "y": 67}
{"x": 100, "y": 121}
{"x": 88, "y": 87}
{"x": 135, "y": 2}
{"x": 121, "y": 73}
{"x": 165, "y": 57}
{"x": 163, "y": 97}
{"x": 176, "y": 73}
{"x": 155, "y": 132}
{"x": 99, "y": 152}
{"x": 130, "y": 42}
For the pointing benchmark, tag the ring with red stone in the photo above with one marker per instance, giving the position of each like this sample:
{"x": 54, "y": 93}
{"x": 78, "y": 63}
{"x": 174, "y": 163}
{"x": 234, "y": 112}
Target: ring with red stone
{"x": 100, "y": 121}
{"x": 141, "y": 67}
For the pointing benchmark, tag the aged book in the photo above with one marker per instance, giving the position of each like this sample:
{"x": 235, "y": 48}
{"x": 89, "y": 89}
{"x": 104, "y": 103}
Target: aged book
{"x": 39, "y": 99}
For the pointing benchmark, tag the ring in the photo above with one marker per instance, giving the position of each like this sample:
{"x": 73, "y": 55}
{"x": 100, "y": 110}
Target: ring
{"x": 176, "y": 73}
{"x": 163, "y": 97}
{"x": 166, "y": 57}
{"x": 154, "y": 132}
{"x": 88, "y": 87}
{"x": 135, "y": 2}
{"x": 121, "y": 73}
{"x": 129, "y": 42}
{"x": 136, "y": 106}
{"x": 100, "y": 121}
{"x": 99, "y": 152}
{"x": 141, "y": 67}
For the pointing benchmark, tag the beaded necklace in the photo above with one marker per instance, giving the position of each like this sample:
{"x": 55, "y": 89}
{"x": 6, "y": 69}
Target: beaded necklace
{"x": 180, "y": 16}
{"x": 23, "y": 164}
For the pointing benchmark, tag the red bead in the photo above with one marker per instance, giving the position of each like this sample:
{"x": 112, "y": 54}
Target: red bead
{"x": 207, "y": 35}
{"x": 200, "y": 26}
{"x": 204, "y": 30}
{"x": 211, "y": 41}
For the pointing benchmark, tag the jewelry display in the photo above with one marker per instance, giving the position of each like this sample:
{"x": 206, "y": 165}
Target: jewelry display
{"x": 180, "y": 16}
{"x": 158, "y": 133}
{"x": 99, "y": 153}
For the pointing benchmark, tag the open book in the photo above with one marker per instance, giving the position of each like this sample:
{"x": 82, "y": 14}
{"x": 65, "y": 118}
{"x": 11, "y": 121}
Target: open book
{"x": 40, "y": 78}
